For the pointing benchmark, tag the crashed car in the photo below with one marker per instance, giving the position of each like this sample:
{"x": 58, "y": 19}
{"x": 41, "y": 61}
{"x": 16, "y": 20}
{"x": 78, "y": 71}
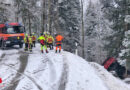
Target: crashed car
{"x": 112, "y": 65}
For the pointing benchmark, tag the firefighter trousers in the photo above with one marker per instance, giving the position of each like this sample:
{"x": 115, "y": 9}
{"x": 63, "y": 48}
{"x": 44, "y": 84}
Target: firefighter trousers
{"x": 58, "y": 46}
{"x": 33, "y": 43}
{"x": 50, "y": 46}
{"x": 30, "y": 47}
{"x": 45, "y": 47}
{"x": 26, "y": 47}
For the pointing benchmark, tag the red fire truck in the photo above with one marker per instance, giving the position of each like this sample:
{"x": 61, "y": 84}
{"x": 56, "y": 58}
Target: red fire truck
{"x": 11, "y": 34}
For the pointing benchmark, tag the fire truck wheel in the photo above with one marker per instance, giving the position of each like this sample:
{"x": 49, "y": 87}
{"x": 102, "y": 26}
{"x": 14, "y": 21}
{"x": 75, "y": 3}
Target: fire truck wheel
{"x": 21, "y": 45}
{"x": 3, "y": 45}
{"x": 0, "y": 43}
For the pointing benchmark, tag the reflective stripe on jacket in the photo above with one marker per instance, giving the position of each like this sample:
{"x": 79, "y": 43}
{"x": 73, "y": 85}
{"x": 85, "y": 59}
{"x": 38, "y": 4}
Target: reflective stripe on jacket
{"x": 33, "y": 38}
{"x": 30, "y": 39}
{"x": 50, "y": 39}
{"x": 25, "y": 39}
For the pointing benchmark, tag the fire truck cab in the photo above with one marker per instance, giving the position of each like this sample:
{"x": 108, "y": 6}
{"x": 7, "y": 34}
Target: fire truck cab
{"x": 11, "y": 34}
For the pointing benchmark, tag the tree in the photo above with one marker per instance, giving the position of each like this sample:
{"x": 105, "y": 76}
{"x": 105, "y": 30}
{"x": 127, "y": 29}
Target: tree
{"x": 97, "y": 27}
{"x": 82, "y": 27}
{"x": 117, "y": 18}
{"x": 125, "y": 50}
{"x": 69, "y": 13}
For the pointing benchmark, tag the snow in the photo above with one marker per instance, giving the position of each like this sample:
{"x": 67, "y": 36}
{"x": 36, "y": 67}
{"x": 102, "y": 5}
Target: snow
{"x": 81, "y": 75}
{"x": 60, "y": 1}
{"x": 9, "y": 65}
{"x": 111, "y": 82}
{"x": 127, "y": 18}
{"x": 55, "y": 71}
{"x": 7, "y": 1}
{"x": 86, "y": 3}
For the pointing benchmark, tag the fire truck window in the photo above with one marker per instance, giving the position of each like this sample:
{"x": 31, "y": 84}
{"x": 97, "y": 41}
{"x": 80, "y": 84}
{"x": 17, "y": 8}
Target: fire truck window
{"x": 15, "y": 29}
{"x": 18, "y": 29}
{"x": 10, "y": 31}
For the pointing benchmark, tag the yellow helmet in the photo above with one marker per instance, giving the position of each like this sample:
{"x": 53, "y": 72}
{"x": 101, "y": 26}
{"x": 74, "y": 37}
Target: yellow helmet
{"x": 45, "y": 33}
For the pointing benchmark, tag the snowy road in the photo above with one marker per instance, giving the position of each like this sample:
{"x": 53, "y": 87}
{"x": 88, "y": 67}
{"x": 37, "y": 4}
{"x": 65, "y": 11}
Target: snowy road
{"x": 35, "y": 68}
{"x": 65, "y": 71}
{"x": 9, "y": 65}
{"x": 23, "y": 58}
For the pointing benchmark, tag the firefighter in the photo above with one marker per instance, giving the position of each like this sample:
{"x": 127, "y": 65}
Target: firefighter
{"x": 46, "y": 36}
{"x": 30, "y": 43}
{"x": 50, "y": 41}
{"x": 26, "y": 42}
{"x": 33, "y": 39}
{"x": 42, "y": 41}
{"x": 59, "y": 39}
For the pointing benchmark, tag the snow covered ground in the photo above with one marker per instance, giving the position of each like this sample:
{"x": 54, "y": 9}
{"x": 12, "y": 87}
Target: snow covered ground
{"x": 53, "y": 71}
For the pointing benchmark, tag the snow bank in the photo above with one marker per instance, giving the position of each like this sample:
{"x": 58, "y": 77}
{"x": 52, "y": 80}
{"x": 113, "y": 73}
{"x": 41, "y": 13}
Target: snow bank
{"x": 81, "y": 76}
{"x": 110, "y": 81}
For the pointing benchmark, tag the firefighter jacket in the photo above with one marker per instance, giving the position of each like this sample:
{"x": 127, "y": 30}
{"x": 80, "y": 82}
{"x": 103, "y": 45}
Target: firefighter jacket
{"x": 42, "y": 40}
{"x": 59, "y": 39}
{"x": 33, "y": 38}
{"x": 50, "y": 39}
{"x": 26, "y": 39}
{"x": 30, "y": 39}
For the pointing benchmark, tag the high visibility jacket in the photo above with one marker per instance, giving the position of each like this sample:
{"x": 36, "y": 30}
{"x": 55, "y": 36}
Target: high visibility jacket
{"x": 59, "y": 39}
{"x": 46, "y": 36}
{"x": 42, "y": 40}
{"x": 50, "y": 39}
{"x": 26, "y": 39}
{"x": 33, "y": 38}
{"x": 30, "y": 39}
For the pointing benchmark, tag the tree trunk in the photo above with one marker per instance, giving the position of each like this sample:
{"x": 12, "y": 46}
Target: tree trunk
{"x": 49, "y": 16}
{"x": 43, "y": 17}
{"x": 29, "y": 22}
{"x": 82, "y": 17}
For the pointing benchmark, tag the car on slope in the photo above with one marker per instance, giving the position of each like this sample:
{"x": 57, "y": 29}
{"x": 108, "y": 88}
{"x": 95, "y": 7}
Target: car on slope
{"x": 113, "y": 66}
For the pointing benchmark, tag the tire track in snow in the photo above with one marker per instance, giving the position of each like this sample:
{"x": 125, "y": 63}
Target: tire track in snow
{"x": 64, "y": 76}
{"x": 23, "y": 59}
{"x": 2, "y": 56}
{"x": 23, "y": 63}
{"x": 52, "y": 69}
